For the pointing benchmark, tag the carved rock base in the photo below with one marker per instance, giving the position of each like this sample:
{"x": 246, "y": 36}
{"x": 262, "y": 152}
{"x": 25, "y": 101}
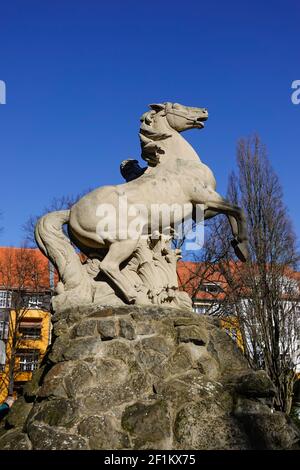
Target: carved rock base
{"x": 144, "y": 378}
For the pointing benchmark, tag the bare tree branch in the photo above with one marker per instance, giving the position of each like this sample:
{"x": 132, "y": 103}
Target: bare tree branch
{"x": 57, "y": 204}
{"x": 262, "y": 295}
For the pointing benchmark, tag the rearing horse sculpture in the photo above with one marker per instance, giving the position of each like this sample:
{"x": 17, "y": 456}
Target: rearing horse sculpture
{"x": 175, "y": 175}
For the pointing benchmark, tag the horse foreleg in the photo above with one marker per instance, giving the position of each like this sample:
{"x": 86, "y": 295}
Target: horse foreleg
{"x": 118, "y": 252}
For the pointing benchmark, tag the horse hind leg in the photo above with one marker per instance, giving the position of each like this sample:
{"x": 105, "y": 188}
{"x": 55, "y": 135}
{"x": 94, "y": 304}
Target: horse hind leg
{"x": 118, "y": 252}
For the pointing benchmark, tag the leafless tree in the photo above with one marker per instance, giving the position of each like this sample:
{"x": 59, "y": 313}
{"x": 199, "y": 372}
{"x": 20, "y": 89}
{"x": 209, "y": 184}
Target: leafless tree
{"x": 57, "y": 204}
{"x": 262, "y": 294}
{"x": 199, "y": 267}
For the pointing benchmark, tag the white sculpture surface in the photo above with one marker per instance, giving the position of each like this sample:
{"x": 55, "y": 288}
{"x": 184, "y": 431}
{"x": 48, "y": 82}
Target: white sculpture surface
{"x": 122, "y": 268}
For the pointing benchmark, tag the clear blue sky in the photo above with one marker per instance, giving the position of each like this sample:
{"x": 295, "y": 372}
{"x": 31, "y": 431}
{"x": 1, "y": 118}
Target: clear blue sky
{"x": 80, "y": 73}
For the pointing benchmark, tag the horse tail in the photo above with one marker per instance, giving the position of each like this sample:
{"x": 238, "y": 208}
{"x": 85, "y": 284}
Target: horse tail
{"x": 57, "y": 247}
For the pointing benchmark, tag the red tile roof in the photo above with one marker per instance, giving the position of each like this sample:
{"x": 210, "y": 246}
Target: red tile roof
{"x": 25, "y": 268}
{"x": 191, "y": 275}
{"x": 29, "y": 267}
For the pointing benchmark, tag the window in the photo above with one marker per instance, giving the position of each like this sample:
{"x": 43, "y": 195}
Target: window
{"x": 2, "y": 356}
{"x": 210, "y": 288}
{"x": 34, "y": 301}
{"x": 4, "y": 329}
{"x": 28, "y": 359}
{"x": 18, "y": 386}
{"x": 30, "y": 328}
{"x": 5, "y": 299}
{"x": 4, "y": 325}
{"x": 200, "y": 308}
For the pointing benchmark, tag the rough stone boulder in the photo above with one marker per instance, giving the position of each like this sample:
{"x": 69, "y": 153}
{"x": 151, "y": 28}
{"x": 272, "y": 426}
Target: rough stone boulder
{"x": 145, "y": 378}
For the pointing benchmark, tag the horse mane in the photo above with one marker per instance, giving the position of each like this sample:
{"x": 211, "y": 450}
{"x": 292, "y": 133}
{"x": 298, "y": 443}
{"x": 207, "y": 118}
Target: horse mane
{"x": 150, "y": 137}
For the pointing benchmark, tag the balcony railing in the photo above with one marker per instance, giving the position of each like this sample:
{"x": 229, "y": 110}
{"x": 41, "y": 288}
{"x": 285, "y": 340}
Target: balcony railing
{"x": 28, "y": 366}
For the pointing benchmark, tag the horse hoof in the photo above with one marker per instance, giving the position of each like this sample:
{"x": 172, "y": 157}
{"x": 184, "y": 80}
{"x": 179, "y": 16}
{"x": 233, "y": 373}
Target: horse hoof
{"x": 241, "y": 250}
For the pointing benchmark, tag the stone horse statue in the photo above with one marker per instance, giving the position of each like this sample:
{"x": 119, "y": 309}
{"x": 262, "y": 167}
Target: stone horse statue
{"x": 115, "y": 259}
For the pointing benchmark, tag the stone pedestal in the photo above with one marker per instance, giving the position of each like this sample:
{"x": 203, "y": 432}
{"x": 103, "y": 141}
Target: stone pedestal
{"x": 144, "y": 378}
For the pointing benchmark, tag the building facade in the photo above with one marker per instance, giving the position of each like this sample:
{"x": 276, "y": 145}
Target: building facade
{"x": 25, "y": 319}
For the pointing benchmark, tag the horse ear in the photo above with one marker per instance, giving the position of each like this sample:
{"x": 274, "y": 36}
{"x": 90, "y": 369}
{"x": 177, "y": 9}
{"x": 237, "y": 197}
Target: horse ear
{"x": 157, "y": 106}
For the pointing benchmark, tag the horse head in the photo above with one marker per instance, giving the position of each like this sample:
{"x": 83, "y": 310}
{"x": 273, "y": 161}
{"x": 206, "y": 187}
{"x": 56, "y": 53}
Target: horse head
{"x": 180, "y": 117}
{"x": 161, "y": 121}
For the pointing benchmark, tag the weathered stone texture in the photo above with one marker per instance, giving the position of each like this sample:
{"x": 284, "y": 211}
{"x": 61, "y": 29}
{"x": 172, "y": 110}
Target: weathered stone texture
{"x": 145, "y": 378}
